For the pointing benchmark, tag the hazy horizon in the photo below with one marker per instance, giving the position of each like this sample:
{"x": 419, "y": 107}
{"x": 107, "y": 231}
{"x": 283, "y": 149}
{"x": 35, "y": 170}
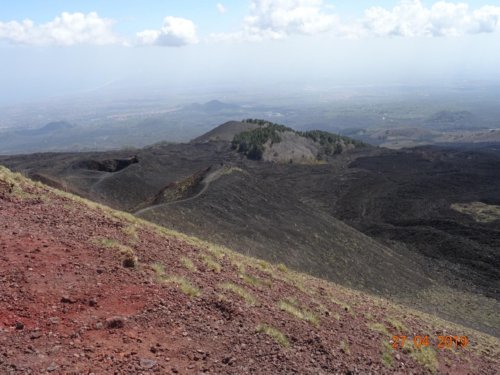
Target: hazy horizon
{"x": 71, "y": 48}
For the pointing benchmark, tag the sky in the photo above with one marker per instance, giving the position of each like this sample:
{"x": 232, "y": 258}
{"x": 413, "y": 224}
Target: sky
{"x": 63, "y": 47}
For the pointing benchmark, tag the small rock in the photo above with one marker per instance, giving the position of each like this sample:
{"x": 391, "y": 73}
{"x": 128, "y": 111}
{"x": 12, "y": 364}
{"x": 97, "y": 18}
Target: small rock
{"x": 52, "y": 367}
{"x": 54, "y": 320}
{"x": 115, "y": 322}
{"x": 228, "y": 360}
{"x": 19, "y": 326}
{"x": 129, "y": 262}
{"x": 66, "y": 299}
{"x": 35, "y": 335}
{"x": 93, "y": 303}
{"x": 147, "y": 363}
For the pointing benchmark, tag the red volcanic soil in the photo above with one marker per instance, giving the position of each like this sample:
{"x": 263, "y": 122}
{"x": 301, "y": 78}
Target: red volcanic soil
{"x": 69, "y": 306}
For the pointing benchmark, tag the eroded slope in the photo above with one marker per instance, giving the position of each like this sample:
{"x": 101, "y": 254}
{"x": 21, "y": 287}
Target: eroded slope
{"x": 70, "y": 304}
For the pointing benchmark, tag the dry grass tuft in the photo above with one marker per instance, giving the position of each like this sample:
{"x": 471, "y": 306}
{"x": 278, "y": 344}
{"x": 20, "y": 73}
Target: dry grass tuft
{"x": 427, "y": 357}
{"x": 275, "y": 333}
{"x": 129, "y": 258}
{"x": 387, "y": 359}
{"x": 379, "y": 328}
{"x": 183, "y": 283}
{"x": 398, "y": 326}
{"x": 131, "y": 232}
{"x": 344, "y": 347}
{"x": 254, "y": 280}
{"x": 240, "y": 291}
{"x": 281, "y": 267}
{"x": 292, "y": 307}
{"x": 211, "y": 263}
{"x": 159, "y": 269}
{"x": 188, "y": 264}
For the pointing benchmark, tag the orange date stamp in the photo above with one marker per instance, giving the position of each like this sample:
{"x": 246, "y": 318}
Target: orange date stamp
{"x": 441, "y": 342}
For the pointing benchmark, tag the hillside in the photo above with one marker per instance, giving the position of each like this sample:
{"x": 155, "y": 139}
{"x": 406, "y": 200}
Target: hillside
{"x": 375, "y": 220}
{"x": 278, "y": 143}
{"x": 89, "y": 289}
{"x": 226, "y": 131}
{"x": 242, "y": 205}
{"x": 406, "y": 137}
{"x": 236, "y": 207}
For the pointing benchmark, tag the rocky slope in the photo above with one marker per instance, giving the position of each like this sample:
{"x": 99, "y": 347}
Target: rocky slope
{"x": 376, "y": 220}
{"x": 86, "y": 289}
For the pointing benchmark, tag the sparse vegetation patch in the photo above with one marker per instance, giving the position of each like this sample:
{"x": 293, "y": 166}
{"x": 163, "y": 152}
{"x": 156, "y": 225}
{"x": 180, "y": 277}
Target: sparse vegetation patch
{"x": 254, "y": 280}
{"x": 211, "y": 263}
{"x": 379, "y": 328}
{"x": 292, "y": 307}
{"x": 398, "y": 326}
{"x": 342, "y": 304}
{"x": 281, "y": 267}
{"x": 188, "y": 263}
{"x": 387, "y": 359}
{"x": 129, "y": 260}
{"x": 240, "y": 291}
{"x": 183, "y": 283}
{"x": 344, "y": 347}
{"x": 481, "y": 212}
{"x": 427, "y": 357}
{"x": 275, "y": 333}
{"x": 159, "y": 269}
{"x": 131, "y": 232}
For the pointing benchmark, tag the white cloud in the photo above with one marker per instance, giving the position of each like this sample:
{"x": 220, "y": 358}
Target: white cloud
{"x": 221, "y": 8}
{"x": 175, "y": 32}
{"x": 410, "y": 18}
{"x": 278, "y": 19}
{"x": 65, "y": 30}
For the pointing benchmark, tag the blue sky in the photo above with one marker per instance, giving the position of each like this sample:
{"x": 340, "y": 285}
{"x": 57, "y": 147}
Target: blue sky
{"x": 132, "y": 16}
{"x": 69, "y": 46}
